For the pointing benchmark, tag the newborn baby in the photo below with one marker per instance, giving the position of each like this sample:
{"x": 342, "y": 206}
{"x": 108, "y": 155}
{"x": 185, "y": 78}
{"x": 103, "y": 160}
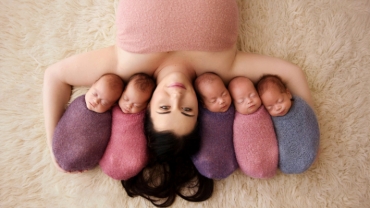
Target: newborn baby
{"x": 254, "y": 138}
{"x": 126, "y": 153}
{"x": 83, "y": 132}
{"x": 216, "y": 157}
{"x": 275, "y": 96}
{"x": 295, "y": 123}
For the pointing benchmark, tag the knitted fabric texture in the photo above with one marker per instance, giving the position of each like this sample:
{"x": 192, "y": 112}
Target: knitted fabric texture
{"x": 126, "y": 153}
{"x": 298, "y": 137}
{"x": 255, "y": 144}
{"x": 172, "y": 25}
{"x": 81, "y": 136}
{"x": 216, "y": 157}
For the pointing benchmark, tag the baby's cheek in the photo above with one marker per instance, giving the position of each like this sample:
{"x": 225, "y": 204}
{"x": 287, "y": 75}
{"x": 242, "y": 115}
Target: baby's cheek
{"x": 141, "y": 109}
{"x": 238, "y": 107}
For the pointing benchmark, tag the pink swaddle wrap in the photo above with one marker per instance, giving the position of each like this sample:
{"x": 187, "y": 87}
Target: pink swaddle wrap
{"x": 170, "y": 25}
{"x": 126, "y": 153}
{"x": 255, "y": 144}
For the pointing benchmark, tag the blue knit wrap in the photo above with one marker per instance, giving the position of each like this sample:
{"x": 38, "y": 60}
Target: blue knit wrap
{"x": 298, "y": 137}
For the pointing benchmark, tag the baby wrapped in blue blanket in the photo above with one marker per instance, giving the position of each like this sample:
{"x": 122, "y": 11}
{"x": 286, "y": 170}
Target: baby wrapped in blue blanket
{"x": 295, "y": 124}
{"x": 298, "y": 137}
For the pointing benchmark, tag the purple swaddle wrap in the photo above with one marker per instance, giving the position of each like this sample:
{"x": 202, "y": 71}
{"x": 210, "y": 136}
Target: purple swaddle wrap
{"x": 298, "y": 137}
{"x": 81, "y": 136}
{"x": 126, "y": 154}
{"x": 255, "y": 144}
{"x": 216, "y": 157}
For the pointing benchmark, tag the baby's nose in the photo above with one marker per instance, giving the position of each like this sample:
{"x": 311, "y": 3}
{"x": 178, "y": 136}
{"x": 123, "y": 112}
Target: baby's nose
{"x": 221, "y": 101}
{"x": 96, "y": 100}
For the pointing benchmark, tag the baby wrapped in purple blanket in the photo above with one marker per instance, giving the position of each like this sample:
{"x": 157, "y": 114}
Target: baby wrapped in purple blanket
{"x": 216, "y": 157}
{"x": 81, "y": 136}
{"x": 126, "y": 153}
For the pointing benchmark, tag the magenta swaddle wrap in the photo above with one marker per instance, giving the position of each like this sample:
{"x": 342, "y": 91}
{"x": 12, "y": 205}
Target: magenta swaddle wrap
{"x": 216, "y": 157}
{"x": 256, "y": 147}
{"x": 81, "y": 136}
{"x": 172, "y": 25}
{"x": 126, "y": 153}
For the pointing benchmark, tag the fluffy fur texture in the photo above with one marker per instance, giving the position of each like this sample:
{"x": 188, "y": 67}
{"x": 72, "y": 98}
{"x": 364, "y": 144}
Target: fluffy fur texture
{"x": 126, "y": 153}
{"x": 216, "y": 157}
{"x": 328, "y": 39}
{"x": 255, "y": 144}
{"x": 298, "y": 136}
{"x": 81, "y": 136}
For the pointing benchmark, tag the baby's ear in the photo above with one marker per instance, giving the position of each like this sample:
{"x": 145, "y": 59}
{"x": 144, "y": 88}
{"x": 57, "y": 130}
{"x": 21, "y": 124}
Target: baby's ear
{"x": 288, "y": 93}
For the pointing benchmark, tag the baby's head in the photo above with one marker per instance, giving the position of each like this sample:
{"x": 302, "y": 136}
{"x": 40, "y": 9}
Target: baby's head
{"x": 213, "y": 93}
{"x": 275, "y": 96}
{"x": 245, "y": 97}
{"x": 104, "y": 93}
{"x": 137, "y": 93}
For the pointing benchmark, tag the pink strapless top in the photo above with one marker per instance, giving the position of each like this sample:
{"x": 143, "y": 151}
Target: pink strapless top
{"x": 145, "y": 26}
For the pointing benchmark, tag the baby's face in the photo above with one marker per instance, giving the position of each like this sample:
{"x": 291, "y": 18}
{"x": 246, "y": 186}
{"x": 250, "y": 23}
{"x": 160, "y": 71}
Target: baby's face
{"x": 276, "y": 102}
{"x": 100, "y": 98}
{"x": 245, "y": 97}
{"x": 133, "y": 100}
{"x": 215, "y": 96}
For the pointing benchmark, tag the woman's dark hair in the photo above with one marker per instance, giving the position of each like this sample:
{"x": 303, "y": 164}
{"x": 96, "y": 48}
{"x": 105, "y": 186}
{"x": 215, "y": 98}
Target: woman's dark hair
{"x": 170, "y": 170}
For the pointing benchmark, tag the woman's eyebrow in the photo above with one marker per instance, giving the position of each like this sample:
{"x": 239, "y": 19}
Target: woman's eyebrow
{"x": 166, "y": 112}
{"x": 188, "y": 115}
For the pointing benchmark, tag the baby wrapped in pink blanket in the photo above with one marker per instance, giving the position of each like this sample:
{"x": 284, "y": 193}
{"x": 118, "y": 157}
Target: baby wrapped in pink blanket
{"x": 255, "y": 144}
{"x": 126, "y": 153}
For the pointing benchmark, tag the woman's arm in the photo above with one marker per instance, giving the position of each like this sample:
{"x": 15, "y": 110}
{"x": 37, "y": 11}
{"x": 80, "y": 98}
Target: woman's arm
{"x": 77, "y": 70}
{"x": 254, "y": 66}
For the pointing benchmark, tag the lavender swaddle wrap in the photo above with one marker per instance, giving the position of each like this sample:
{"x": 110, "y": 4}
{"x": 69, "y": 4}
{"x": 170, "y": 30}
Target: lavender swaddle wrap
{"x": 255, "y": 144}
{"x": 216, "y": 157}
{"x": 298, "y": 137}
{"x": 126, "y": 153}
{"x": 81, "y": 136}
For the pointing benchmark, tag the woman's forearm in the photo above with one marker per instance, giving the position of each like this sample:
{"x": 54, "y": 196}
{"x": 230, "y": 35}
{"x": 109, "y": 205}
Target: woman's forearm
{"x": 254, "y": 66}
{"x": 56, "y": 95}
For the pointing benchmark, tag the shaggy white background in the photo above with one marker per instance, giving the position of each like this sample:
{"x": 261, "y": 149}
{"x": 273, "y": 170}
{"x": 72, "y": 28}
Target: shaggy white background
{"x": 328, "y": 39}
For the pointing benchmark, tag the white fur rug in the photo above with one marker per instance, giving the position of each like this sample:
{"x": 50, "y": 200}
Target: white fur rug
{"x": 328, "y": 39}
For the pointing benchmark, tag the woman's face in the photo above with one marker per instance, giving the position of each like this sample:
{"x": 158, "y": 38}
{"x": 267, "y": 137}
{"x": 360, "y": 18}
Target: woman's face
{"x": 174, "y": 105}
